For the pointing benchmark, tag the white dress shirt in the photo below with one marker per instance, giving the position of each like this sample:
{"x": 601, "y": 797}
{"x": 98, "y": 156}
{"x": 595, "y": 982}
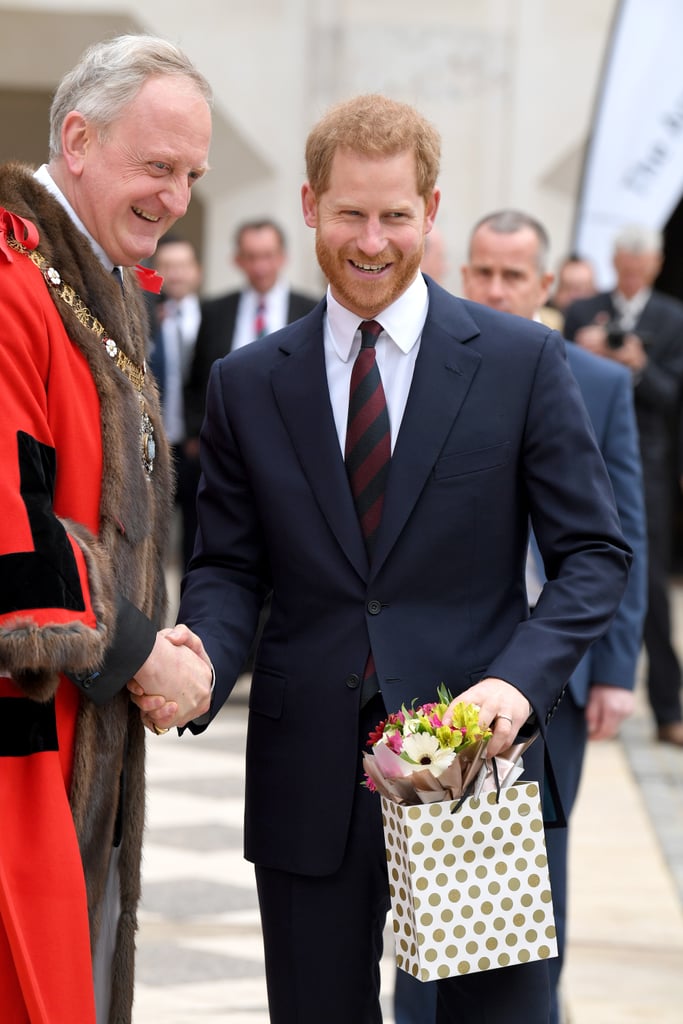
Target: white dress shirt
{"x": 43, "y": 176}
{"x": 397, "y": 348}
{"x": 276, "y": 303}
{"x": 629, "y": 310}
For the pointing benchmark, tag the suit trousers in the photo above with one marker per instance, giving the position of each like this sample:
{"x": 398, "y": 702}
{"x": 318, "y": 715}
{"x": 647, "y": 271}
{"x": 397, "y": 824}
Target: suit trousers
{"x": 323, "y": 938}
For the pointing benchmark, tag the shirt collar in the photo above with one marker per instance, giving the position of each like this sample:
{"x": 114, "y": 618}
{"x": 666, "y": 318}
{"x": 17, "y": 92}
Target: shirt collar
{"x": 45, "y": 178}
{"x": 636, "y": 304}
{"x": 403, "y": 320}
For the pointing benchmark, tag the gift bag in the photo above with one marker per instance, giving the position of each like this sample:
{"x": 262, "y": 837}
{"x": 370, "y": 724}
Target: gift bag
{"x": 469, "y": 883}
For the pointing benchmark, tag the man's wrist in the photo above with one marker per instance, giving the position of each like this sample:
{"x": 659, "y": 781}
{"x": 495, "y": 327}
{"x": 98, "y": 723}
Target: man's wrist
{"x": 206, "y": 717}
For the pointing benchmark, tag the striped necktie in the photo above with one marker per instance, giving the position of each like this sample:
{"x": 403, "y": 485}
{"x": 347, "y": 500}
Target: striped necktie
{"x": 368, "y": 440}
{"x": 367, "y": 455}
{"x": 260, "y": 326}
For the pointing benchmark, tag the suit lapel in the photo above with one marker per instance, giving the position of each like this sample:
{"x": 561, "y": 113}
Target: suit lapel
{"x": 444, "y": 371}
{"x": 648, "y": 321}
{"x": 302, "y": 394}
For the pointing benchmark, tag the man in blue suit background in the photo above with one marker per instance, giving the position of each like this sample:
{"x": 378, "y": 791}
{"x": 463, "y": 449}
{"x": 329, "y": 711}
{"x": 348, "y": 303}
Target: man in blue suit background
{"x": 487, "y": 432}
{"x": 508, "y": 270}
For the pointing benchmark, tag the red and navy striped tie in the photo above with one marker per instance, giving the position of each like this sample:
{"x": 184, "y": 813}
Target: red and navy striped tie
{"x": 367, "y": 455}
{"x": 368, "y": 440}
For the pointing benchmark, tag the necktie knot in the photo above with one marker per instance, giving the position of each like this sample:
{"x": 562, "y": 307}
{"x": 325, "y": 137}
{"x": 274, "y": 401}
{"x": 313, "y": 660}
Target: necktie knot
{"x": 370, "y": 331}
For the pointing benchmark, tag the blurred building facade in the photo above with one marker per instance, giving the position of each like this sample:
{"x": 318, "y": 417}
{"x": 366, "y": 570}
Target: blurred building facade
{"x": 510, "y": 84}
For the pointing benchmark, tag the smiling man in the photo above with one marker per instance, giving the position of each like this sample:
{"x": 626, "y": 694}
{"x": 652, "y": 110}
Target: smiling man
{"x": 373, "y": 467}
{"x": 508, "y": 270}
{"x": 85, "y": 492}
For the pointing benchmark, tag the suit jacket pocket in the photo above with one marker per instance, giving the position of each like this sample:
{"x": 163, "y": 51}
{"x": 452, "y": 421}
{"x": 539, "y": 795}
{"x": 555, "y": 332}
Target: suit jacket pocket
{"x": 267, "y": 693}
{"x": 461, "y": 463}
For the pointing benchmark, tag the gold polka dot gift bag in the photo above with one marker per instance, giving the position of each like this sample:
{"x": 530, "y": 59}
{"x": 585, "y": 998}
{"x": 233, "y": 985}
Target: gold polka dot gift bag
{"x": 468, "y": 876}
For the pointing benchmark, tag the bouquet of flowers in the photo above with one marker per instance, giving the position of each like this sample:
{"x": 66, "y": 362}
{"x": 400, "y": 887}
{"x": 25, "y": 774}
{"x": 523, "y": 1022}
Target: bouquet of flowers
{"x": 417, "y": 759}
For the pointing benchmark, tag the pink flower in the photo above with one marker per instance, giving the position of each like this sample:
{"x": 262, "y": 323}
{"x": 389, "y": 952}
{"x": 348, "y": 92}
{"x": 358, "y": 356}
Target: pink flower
{"x": 395, "y": 742}
{"x": 370, "y": 784}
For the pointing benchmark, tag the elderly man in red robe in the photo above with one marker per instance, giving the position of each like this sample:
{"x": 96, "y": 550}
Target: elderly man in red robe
{"x": 85, "y": 492}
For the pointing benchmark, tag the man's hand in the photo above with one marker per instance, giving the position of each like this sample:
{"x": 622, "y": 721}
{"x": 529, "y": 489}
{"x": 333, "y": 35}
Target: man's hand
{"x": 593, "y": 337}
{"x": 607, "y": 708}
{"x": 631, "y": 354}
{"x": 173, "y": 687}
{"x": 502, "y": 708}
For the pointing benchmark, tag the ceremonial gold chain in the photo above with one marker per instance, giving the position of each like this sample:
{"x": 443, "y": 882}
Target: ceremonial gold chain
{"x": 134, "y": 373}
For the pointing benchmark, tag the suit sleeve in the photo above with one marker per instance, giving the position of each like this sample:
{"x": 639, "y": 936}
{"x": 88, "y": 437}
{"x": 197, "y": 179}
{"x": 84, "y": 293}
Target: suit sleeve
{"x": 575, "y": 521}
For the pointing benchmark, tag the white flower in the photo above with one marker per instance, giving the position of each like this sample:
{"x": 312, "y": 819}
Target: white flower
{"x": 426, "y": 753}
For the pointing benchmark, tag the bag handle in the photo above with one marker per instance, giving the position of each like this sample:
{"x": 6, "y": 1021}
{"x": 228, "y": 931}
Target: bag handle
{"x": 470, "y": 787}
{"x": 553, "y": 812}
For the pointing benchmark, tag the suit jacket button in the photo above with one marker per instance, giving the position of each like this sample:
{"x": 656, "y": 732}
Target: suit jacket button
{"x": 374, "y": 607}
{"x": 353, "y": 681}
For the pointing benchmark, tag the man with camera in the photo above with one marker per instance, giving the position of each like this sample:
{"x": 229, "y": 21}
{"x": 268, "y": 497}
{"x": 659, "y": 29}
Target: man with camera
{"x": 643, "y": 330}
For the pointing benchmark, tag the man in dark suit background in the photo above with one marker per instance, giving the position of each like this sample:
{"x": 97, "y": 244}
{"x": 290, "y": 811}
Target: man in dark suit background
{"x": 487, "y": 430}
{"x": 265, "y": 304}
{"x": 508, "y": 270}
{"x": 642, "y": 329}
{"x": 174, "y": 322}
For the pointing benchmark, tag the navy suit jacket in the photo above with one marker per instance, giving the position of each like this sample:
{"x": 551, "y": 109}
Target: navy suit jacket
{"x": 494, "y": 433}
{"x": 607, "y": 391}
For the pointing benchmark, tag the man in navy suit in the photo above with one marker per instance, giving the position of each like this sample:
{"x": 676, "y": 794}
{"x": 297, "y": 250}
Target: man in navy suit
{"x": 508, "y": 270}
{"x": 641, "y": 329}
{"x": 487, "y": 432}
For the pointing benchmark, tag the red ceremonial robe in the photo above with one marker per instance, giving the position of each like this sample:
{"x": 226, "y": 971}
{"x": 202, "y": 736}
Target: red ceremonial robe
{"x": 80, "y": 523}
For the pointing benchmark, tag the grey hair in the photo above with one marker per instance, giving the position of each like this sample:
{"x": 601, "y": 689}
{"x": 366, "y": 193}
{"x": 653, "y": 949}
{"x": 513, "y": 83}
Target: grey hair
{"x": 508, "y": 222}
{"x": 109, "y": 76}
{"x": 636, "y": 239}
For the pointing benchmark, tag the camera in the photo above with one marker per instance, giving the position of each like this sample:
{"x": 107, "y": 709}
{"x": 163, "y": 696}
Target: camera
{"x": 615, "y": 335}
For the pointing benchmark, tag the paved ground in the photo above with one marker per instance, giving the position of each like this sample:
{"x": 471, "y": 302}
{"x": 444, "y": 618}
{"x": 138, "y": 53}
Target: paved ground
{"x": 200, "y": 957}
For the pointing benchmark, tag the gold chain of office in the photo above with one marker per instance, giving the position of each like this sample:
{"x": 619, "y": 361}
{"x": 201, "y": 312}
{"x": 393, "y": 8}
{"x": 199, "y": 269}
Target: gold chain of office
{"x": 134, "y": 373}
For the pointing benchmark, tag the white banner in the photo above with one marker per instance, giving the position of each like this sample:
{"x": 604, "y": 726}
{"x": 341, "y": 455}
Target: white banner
{"x": 633, "y": 172}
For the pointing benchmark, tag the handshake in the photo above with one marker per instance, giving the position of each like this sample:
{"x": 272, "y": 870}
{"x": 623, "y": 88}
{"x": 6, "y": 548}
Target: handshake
{"x": 173, "y": 687}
